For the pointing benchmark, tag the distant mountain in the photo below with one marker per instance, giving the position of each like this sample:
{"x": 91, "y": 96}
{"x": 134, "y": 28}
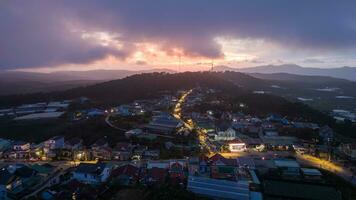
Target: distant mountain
{"x": 105, "y": 75}
{"x": 348, "y": 73}
{"x": 299, "y": 78}
{"x": 17, "y": 82}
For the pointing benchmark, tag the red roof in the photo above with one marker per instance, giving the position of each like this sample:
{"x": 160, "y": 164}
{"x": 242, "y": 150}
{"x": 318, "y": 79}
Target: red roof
{"x": 122, "y": 146}
{"x": 353, "y": 145}
{"x": 235, "y": 141}
{"x": 158, "y": 174}
{"x": 203, "y": 158}
{"x": 128, "y": 169}
{"x": 216, "y": 157}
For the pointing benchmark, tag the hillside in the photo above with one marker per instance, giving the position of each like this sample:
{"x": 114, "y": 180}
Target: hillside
{"x": 18, "y": 82}
{"x": 128, "y": 89}
{"x": 323, "y": 93}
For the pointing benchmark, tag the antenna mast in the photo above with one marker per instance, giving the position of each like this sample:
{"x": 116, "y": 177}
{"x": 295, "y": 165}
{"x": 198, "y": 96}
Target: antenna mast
{"x": 180, "y": 62}
{"x": 212, "y": 65}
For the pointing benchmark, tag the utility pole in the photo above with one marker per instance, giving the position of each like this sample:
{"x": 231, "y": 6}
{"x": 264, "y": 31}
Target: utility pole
{"x": 180, "y": 63}
{"x": 212, "y": 65}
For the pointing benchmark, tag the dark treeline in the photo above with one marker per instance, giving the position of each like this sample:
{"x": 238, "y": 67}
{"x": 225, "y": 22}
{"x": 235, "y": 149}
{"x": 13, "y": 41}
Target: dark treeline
{"x": 127, "y": 89}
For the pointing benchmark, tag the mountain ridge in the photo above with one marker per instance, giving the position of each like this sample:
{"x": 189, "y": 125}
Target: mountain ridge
{"x": 344, "y": 72}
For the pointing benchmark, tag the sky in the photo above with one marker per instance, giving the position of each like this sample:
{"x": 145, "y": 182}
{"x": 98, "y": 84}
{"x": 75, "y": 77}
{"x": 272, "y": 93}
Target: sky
{"x": 41, "y": 35}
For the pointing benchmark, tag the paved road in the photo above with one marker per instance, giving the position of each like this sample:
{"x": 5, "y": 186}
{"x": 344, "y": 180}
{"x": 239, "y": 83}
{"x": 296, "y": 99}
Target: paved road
{"x": 341, "y": 171}
{"x": 107, "y": 120}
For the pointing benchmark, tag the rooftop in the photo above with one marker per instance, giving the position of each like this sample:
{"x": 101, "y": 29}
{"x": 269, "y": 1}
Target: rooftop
{"x": 89, "y": 168}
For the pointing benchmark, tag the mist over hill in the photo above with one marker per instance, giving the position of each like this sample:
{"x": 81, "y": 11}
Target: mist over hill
{"x": 323, "y": 93}
{"x": 348, "y": 73}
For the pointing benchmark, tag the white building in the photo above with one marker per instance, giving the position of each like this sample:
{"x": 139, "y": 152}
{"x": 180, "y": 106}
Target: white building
{"x": 92, "y": 173}
{"x": 349, "y": 150}
{"x": 21, "y": 146}
{"x": 228, "y": 134}
{"x": 56, "y": 142}
{"x": 237, "y": 146}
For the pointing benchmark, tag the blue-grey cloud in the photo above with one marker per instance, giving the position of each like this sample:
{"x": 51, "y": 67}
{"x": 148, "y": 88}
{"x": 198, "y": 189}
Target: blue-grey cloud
{"x": 35, "y": 33}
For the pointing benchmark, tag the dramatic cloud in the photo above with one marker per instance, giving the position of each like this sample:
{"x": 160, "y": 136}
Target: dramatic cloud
{"x": 39, "y": 33}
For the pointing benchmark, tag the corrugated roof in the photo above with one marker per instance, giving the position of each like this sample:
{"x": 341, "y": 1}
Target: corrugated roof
{"x": 220, "y": 189}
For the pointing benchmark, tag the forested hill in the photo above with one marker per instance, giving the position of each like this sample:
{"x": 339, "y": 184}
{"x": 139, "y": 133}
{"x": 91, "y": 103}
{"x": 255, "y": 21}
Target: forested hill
{"x": 130, "y": 88}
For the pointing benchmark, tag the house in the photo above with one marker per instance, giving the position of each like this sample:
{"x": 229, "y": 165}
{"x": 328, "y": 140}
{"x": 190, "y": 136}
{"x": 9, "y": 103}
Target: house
{"x": 157, "y": 176}
{"x": 102, "y": 153}
{"x": 100, "y": 143}
{"x": 224, "y": 131}
{"x": 46, "y": 170}
{"x": 237, "y": 146}
{"x": 203, "y": 164}
{"x": 163, "y": 123}
{"x": 122, "y": 151}
{"x": 288, "y": 167}
{"x": 92, "y": 173}
{"x": 193, "y": 166}
{"x": 279, "y": 142}
{"x": 22, "y": 178}
{"x": 126, "y": 175}
{"x": 21, "y": 146}
{"x": 311, "y": 174}
{"x": 225, "y": 135}
{"x": 101, "y": 150}
{"x": 20, "y": 150}
{"x": 78, "y": 190}
{"x": 326, "y": 133}
{"x": 124, "y": 110}
{"x": 349, "y": 150}
{"x": 151, "y": 154}
{"x": 223, "y": 168}
{"x": 56, "y": 142}
{"x": 176, "y": 172}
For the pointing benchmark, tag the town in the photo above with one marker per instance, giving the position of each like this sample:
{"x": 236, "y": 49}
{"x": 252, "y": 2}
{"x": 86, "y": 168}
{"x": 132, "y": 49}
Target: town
{"x": 188, "y": 140}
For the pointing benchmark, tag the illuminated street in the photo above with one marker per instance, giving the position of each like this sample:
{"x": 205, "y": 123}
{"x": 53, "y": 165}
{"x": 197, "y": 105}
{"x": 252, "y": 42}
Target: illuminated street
{"x": 190, "y": 124}
{"x": 178, "y": 108}
{"x": 326, "y": 165}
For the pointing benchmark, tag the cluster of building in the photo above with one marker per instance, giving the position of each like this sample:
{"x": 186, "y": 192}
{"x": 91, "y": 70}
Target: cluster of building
{"x": 58, "y": 148}
{"x": 342, "y": 115}
{"x": 226, "y": 171}
{"x": 253, "y": 178}
{"x": 18, "y": 180}
{"x": 216, "y": 177}
{"x": 41, "y": 110}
